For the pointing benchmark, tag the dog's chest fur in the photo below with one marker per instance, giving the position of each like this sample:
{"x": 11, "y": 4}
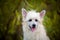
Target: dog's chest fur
{"x": 31, "y": 35}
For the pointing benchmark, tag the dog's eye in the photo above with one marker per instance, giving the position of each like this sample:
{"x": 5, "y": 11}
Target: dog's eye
{"x": 36, "y": 20}
{"x": 30, "y": 20}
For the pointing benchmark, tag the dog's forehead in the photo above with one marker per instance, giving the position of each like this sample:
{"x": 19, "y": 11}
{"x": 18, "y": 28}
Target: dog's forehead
{"x": 32, "y": 14}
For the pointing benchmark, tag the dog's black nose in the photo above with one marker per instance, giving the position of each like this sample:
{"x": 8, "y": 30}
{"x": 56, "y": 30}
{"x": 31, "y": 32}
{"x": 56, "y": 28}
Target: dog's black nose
{"x": 33, "y": 26}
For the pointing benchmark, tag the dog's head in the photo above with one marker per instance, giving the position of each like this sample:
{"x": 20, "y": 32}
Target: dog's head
{"x": 32, "y": 18}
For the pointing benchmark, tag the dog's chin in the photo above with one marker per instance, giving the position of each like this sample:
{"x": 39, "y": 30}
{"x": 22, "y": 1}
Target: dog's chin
{"x": 32, "y": 29}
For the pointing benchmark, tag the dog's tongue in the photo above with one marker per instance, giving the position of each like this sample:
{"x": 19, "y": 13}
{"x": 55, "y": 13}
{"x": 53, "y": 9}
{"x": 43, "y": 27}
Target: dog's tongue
{"x": 33, "y": 29}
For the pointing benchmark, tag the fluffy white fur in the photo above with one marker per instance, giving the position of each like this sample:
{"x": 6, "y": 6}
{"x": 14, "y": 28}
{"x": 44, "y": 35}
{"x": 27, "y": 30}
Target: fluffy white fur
{"x": 39, "y": 33}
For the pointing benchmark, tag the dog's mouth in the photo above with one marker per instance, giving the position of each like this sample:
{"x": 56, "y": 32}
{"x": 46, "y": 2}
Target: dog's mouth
{"x": 33, "y": 28}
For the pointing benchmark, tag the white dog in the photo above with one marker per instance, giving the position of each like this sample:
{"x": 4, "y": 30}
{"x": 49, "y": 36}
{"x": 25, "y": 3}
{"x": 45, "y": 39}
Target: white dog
{"x": 33, "y": 28}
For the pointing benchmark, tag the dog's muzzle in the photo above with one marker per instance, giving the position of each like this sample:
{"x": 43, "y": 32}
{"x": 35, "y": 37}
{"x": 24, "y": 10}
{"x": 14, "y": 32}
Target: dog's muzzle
{"x": 33, "y": 27}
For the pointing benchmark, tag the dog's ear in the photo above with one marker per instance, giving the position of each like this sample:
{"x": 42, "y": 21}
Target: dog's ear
{"x": 24, "y": 12}
{"x": 42, "y": 13}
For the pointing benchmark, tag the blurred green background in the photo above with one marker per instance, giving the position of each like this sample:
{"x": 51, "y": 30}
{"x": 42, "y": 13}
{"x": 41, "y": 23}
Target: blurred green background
{"x": 11, "y": 17}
